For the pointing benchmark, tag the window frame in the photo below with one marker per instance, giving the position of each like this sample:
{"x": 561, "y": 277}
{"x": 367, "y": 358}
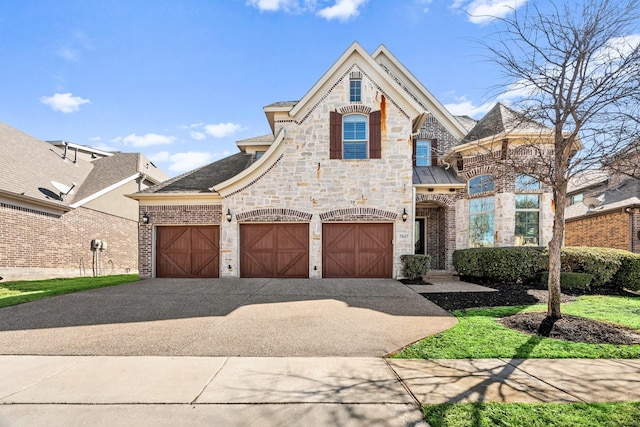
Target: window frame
{"x": 350, "y": 118}
{"x": 421, "y": 157}
{"x": 481, "y": 186}
{"x": 524, "y": 239}
{"x": 482, "y": 214}
{"x": 355, "y": 90}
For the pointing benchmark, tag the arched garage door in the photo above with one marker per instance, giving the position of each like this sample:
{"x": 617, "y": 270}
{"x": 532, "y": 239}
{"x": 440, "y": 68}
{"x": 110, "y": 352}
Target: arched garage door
{"x": 187, "y": 251}
{"x": 274, "y": 250}
{"x": 357, "y": 250}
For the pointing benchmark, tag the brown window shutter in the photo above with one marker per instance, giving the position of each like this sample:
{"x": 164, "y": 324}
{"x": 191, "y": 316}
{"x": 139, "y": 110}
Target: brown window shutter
{"x": 434, "y": 152}
{"x": 505, "y": 149}
{"x": 459, "y": 162}
{"x": 375, "y": 135}
{"x": 335, "y": 135}
{"x": 414, "y": 142}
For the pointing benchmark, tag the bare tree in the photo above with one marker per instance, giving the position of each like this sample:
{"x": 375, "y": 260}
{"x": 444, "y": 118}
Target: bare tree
{"x": 575, "y": 68}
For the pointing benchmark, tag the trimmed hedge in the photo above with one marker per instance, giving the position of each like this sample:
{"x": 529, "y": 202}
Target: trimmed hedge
{"x": 503, "y": 265}
{"x": 569, "y": 280}
{"x": 608, "y": 267}
{"x": 415, "y": 266}
{"x": 628, "y": 275}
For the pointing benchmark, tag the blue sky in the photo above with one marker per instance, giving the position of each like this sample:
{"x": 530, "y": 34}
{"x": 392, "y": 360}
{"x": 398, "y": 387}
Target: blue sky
{"x": 181, "y": 81}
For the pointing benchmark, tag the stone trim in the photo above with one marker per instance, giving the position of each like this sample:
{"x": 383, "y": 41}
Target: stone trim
{"x": 257, "y": 178}
{"x": 274, "y": 215}
{"x": 481, "y": 170}
{"x": 443, "y": 200}
{"x": 358, "y": 214}
{"x": 355, "y": 108}
{"x": 28, "y": 210}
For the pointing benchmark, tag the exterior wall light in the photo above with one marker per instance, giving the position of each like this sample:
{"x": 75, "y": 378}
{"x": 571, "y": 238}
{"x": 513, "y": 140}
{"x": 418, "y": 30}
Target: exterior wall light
{"x": 146, "y": 218}
{"x": 405, "y": 215}
{"x": 229, "y": 216}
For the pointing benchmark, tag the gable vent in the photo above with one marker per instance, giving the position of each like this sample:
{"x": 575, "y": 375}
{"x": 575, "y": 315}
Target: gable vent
{"x": 355, "y": 75}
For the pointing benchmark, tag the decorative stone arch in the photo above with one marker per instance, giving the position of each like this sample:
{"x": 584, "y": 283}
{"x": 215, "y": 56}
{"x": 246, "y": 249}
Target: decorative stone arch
{"x": 438, "y": 198}
{"x": 355, "y": 108}
{"x": 441, "y": 236}
{"x": 274, "y": 215}
{"x": 482, "y": 170}
{"x": 358, "y": 214}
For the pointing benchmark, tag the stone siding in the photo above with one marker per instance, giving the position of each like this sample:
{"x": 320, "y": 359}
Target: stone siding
{"x": 38, "y": 245}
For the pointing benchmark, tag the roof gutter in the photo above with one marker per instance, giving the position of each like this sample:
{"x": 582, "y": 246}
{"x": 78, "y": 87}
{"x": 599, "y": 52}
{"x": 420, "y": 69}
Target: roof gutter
{"x": 36, "y": 202}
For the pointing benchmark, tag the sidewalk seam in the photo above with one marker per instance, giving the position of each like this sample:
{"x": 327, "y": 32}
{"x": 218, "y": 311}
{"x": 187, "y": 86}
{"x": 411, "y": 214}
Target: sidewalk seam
{"x": 543, "y": 381}
{"x": 215, "y": 374}
{"x": 402, "y": 383}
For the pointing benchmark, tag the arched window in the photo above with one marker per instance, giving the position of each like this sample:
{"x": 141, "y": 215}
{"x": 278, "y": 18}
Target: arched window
{"x": 481, "y": 184}
{"x": 354, "y": 136}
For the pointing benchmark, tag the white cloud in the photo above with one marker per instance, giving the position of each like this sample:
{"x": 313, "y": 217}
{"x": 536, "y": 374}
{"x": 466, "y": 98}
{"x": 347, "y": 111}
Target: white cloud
{"x": 183, "y": 162}
{"x": 162, "y": 156}
{"x": 466, "y": 107}
{"x": 68, "y": 53}
{"x": 221, "y": 130}
{"x": 618, "y": 48}
{"x": 342, "y": 10}
{"x": 484, "y": 11}
{"x": 144, "y": 140}
{"x": 64, "y": 102}
{"x": 198, "y": 136}
{"x": 275, "y": 5}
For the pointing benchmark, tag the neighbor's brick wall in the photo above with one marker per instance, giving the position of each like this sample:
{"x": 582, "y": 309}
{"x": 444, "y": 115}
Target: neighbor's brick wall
{"x": 635, "y": 239}
{"x": 170, "y": 215}
{"x": 35, "y": 244}
{"x": 609, "y": 230}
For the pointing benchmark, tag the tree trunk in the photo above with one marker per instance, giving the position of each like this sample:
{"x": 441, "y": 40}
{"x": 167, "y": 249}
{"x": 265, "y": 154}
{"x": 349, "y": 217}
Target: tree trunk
{"x": 555, "y": 246}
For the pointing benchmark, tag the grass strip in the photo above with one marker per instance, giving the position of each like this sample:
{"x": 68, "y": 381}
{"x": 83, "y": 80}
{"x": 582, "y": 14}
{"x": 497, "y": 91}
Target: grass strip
{"x": 478, "y": 335}
{"x": 12, "y": 293}
{"x": 620, "y": 414}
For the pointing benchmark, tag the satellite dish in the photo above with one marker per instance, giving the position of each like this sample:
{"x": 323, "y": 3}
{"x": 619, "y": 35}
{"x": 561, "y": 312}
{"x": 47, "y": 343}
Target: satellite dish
{"x": 62, "y": 188}
{"x": 591, "y": 202}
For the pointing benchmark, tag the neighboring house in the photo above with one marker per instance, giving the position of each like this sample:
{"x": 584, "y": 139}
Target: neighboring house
{"x": 56, "y": 198}
{"x": 604, "y": 211}
{"x": 366, "y": 167}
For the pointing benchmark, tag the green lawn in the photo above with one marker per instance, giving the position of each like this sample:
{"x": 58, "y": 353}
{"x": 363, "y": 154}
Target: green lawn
{"x": 626, "y": 414}
{"x": 12, "y": 293}
{"x": 479, "y": 335}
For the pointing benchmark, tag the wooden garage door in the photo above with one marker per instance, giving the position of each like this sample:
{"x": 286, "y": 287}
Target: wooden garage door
{"x": 357, "y": 250}
{"x": 274, "y": 250}
{"x": 191, "y": 251}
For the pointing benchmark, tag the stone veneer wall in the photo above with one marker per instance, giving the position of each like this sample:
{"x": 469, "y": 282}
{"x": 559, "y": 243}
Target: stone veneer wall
{"x": 608, "y": 230}
{"x": 170, "y": 215}
{"x": 306, "y": 179}
{"x": 40, "y": 245}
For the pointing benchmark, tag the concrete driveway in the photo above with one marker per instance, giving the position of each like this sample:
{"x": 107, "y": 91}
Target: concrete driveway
{"x": 225, "y": 317}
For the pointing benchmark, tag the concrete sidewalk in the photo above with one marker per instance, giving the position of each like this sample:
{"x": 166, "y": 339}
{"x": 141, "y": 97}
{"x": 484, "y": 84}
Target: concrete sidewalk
{"x": 316, "y": 391}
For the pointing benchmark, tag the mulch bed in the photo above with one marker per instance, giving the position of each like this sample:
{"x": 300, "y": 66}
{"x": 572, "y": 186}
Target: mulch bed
{"x": 570, "y": 328}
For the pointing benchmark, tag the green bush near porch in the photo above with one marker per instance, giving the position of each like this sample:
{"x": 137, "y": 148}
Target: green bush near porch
{"x": 415, "y": 266}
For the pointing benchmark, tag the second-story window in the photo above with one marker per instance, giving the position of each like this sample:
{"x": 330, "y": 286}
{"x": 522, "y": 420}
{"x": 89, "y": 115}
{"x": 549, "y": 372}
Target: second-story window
{"x": 355, "y": 90}
{"x": 354, "y": 136}
{"x": 423, "y": 152}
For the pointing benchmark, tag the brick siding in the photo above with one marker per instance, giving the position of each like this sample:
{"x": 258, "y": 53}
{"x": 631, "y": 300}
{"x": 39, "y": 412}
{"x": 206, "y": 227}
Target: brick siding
{"x": 170, "y": 215}
{"x": 610, "y": 230}
{"x": 36, "y": 245}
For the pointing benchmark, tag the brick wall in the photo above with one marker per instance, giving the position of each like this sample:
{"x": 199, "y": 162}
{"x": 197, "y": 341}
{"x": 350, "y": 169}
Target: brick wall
{"x": 610, "y": 230}
{"x": 635, "y": 238}
{"x": 170, "y": 215}
{"x": 35, "y": 245}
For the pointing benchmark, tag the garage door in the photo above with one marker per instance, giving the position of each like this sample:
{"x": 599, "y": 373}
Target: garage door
{"x": 357, "y": 250}
{"x": 274, "y": 250}
{"x": 187, "y": 251}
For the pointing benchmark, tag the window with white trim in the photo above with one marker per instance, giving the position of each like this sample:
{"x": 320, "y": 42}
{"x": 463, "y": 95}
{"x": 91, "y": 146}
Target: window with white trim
{"x": 355, "y": 90}
{"x": 527, "y": 230}
{"x": 423, "y": 152}
{"x": 354, "y": 136}
{"x": 481, "y": 184}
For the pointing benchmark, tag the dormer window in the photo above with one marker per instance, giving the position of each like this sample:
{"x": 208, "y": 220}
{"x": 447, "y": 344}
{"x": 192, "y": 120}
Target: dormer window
{"x": 355, "y": 90}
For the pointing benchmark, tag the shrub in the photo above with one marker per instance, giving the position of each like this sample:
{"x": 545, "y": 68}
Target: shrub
{"x": 569, "y": 280}
{"x": 415, "y": 266}
{"x": 601, "y": 263}
{"x": 503, "y": 265}
{"x": 628, "y": 275}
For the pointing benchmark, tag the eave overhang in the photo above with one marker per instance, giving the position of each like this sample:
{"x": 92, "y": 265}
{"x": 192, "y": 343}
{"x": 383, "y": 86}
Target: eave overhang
{"x": 26, "y": 201}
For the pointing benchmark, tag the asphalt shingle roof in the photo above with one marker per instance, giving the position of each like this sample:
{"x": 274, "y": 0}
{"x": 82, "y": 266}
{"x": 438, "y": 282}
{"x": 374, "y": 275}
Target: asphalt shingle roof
{"x": 502, "y": 119}
{"x": 202, "y": 179}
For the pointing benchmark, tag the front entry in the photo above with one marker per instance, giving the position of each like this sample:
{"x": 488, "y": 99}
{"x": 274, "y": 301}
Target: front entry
{"x": 274, "y": 250}
{"x": 358, "y": 250}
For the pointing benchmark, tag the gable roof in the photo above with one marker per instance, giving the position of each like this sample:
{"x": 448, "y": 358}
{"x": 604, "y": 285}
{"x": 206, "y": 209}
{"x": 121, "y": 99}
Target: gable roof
{"x": 202, "y": 179}
{"x": 624, "y": 194}
{"x": 502, "y": 119}
{"x": 29, "y": 166}
{"x": 354, "y": 54}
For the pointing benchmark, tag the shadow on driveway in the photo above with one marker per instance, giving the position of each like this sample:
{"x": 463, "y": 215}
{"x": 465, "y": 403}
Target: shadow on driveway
{"x": 225, "y": 317}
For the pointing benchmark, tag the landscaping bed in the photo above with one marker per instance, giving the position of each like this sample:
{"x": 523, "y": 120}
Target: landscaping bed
{"x": 570, "y": 328}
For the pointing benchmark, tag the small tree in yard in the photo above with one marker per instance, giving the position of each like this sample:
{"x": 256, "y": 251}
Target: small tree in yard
{"x": 576, "y": 69}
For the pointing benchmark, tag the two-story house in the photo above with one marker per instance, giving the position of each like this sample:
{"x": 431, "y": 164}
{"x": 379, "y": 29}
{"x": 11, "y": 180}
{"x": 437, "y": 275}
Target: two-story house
{"x": 367, "y": 166}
